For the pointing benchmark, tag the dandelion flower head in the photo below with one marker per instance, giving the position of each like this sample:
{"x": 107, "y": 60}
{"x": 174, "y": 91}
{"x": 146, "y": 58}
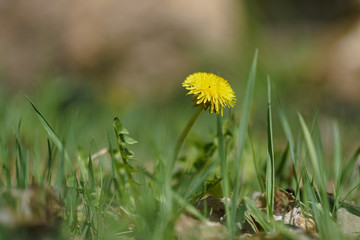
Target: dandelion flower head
{"x": 210, "y": 91}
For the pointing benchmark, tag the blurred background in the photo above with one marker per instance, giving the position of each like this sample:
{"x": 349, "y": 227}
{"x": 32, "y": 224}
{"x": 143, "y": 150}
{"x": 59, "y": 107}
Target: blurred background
{"x": 84, "y": 62}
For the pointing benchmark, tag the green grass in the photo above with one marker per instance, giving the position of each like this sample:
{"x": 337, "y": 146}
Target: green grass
{"x": 102, "y": 192}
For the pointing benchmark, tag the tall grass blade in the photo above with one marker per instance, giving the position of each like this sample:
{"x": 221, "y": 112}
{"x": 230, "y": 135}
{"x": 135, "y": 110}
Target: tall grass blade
{"x": 49, "y": 162}
{"x": 299, "y": 150}
{"x": 90, "y": 170}
{"x": 20, "y": 161}
{"x": 289, "y": 136}
{"x": 27, "y": 169}
{"x": 53, "y": 136}
{"x": 313, "y": 156}
{"x": 337, "y": 164}
{"x": 244, "y": 122}
{"x": 319, "y": 151}
{"x": 270, "y": 167}
{"x": 37, "y": 166}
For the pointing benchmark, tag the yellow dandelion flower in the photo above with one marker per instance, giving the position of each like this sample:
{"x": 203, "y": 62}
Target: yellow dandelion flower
{"x": 210, "y": 91}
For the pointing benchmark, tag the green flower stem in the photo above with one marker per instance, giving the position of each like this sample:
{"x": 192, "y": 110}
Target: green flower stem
{"x": 184, "y": 134}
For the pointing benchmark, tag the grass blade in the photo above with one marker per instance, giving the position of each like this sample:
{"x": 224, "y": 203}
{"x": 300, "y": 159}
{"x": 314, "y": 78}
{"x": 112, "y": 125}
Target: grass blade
{"x": 90, "y": 170}
{"x": 258, "y": 215}
{"x": 349, "y": 167}
{"x": 60, "y": 173}
{"x": 20, "y": 161}
{"x": 270, "y": 167}
{"x": 289, "y": 136}
{"x": 49, "y": 162}
{"x": 200, "y": 179}
{"x": 319, "y": 175}
{"x": 53, "y": 136}
{"x": 312, "y": 153}
{"x": 350, "y": 192}
{"x": 37, "y": 166}
{"x": 244, "y": 122}
{"x": 337, "y": 164}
